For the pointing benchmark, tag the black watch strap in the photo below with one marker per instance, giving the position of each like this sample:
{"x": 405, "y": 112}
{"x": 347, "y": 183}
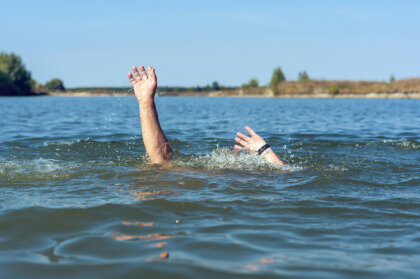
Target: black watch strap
{"x": 263, "y": 148}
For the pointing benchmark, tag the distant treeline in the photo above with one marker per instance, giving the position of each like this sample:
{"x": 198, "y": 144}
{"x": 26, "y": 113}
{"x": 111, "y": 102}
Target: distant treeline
{"x": 335, "y": 87}
{"x": 309, "y": 87}
{"x": 100, "y": 89}
{"x": 160, "y": 89}
{"x": 15, "y": 80}
{"x": 305, "y": 85}
{"x": 207, "y": 88}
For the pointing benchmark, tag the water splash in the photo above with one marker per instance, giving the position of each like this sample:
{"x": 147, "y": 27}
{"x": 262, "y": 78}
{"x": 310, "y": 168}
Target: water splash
{"x": 407, "y": 144}
{"x": 60, "y": 143}
{"x": 225, "y": 158}
{"x": 23, "y": 169}
{"x": 87, "y": 156}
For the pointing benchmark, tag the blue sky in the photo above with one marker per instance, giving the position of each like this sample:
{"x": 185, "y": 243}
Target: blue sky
{"x": 95, "y": 43}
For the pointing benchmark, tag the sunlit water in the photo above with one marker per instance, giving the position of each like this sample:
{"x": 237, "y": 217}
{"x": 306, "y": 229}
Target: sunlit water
{"x": 79, "y": 199}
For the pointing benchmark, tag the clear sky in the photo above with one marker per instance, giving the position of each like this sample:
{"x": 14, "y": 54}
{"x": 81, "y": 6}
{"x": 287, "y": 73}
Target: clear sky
{"x": 95, "y": 43}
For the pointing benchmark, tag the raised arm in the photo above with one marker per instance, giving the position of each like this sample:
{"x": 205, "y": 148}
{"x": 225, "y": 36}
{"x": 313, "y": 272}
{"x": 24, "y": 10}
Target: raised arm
{"x": 257, "y": 144}
{"x": 155, "y": 142}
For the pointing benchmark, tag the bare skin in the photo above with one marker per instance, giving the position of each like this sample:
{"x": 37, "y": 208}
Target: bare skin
{"x": 155, "y": 141}
{"x": 254, "y": 143}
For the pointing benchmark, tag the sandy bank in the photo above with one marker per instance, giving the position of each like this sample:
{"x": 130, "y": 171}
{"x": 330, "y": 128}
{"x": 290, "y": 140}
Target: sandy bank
{"x": 373, "y": 95}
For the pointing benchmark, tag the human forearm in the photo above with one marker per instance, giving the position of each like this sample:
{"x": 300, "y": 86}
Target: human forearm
{"x": 155, "y": 142}
{"x": 272, "y": 158}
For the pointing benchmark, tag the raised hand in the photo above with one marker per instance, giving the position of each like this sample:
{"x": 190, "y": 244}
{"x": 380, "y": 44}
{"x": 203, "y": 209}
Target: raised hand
{"x": 144, "y": 86}
{"x": 253, "y": 143}
{"x": 155, "y": 141}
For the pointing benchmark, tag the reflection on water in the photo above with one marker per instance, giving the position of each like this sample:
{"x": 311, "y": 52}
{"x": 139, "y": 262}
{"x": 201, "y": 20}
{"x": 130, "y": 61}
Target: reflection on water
{"x": 143, "y": 224}
{"x": 149, "y": 195}
{"x": 257, "y": 266}
{"x": 153, "y": 236}
{"x": 79, "y": 197}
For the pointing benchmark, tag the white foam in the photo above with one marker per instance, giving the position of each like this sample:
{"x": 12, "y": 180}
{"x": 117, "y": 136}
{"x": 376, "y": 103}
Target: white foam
{"x": 53, "y": 143}
{"x": 34, "y": 168}
{"x": 225, "y": 158}
{"x": 337, "y": 168}
{"x": 403, "y": 143}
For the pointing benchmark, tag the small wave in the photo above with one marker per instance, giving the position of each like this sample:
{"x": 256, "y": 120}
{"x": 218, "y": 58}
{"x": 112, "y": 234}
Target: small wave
{"x": 88, "y": 142}
{"x": 407, "y": 144}
{"x": 400, "y": 143}
{"x": 25, "y": 169}
{"x": 15, "y": 169}
{"x": 339, "y": 168}
{"x": 60, "y": 143}
{"x": 225, "y": 158}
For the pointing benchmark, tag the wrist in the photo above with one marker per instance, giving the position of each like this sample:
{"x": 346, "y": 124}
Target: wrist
{"x": 266, "y": 152}
{"x": 272, "y": 158}
{"x": 148, "y": 101}
{"x": 263, "y": 148}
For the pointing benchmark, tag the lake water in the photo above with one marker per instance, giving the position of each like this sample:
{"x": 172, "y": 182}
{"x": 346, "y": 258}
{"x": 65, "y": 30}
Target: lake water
{"x": 78, "y": 198}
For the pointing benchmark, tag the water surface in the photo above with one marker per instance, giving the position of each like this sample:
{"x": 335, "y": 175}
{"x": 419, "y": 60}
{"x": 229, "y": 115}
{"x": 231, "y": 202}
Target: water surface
{"x": 80, "y": 200}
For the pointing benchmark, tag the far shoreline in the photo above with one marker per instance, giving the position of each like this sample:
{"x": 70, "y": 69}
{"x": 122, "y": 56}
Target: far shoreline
{"x": 372, "y": 95}
{"x": 317, "y": 89}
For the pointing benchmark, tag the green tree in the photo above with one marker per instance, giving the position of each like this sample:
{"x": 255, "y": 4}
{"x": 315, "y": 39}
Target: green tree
{"x": 15, "y": 79}
{"x": 6, "y": 85}
{"x": 55, "y": 84}
{"x": 303, "y": 76}
{"x": 252, "y": 83}
{"x": 334, "y": 90}
{"x": 276, "y": 78}
{"x": 391, "y": 78}
{"x": 215, "y": 86}
{"x": 34, "y": 85}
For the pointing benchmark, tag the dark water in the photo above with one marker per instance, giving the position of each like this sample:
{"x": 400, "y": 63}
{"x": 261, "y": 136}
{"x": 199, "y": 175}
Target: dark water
{"x": 79, "y": 200}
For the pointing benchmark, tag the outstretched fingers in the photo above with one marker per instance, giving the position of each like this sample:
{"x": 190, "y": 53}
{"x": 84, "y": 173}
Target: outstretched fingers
{"x": 137, "y": 77}
{"x": 237, "y": 147}
{"x": 143, "y": 72}
{"x": 136, "y": 73}
{"x": 250, "y": 131}
{"x": 241, "y": 142}
{"x": 242, "y": 136}
{"x": 132, "y": 79}
{"x": 152, "y": 73}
